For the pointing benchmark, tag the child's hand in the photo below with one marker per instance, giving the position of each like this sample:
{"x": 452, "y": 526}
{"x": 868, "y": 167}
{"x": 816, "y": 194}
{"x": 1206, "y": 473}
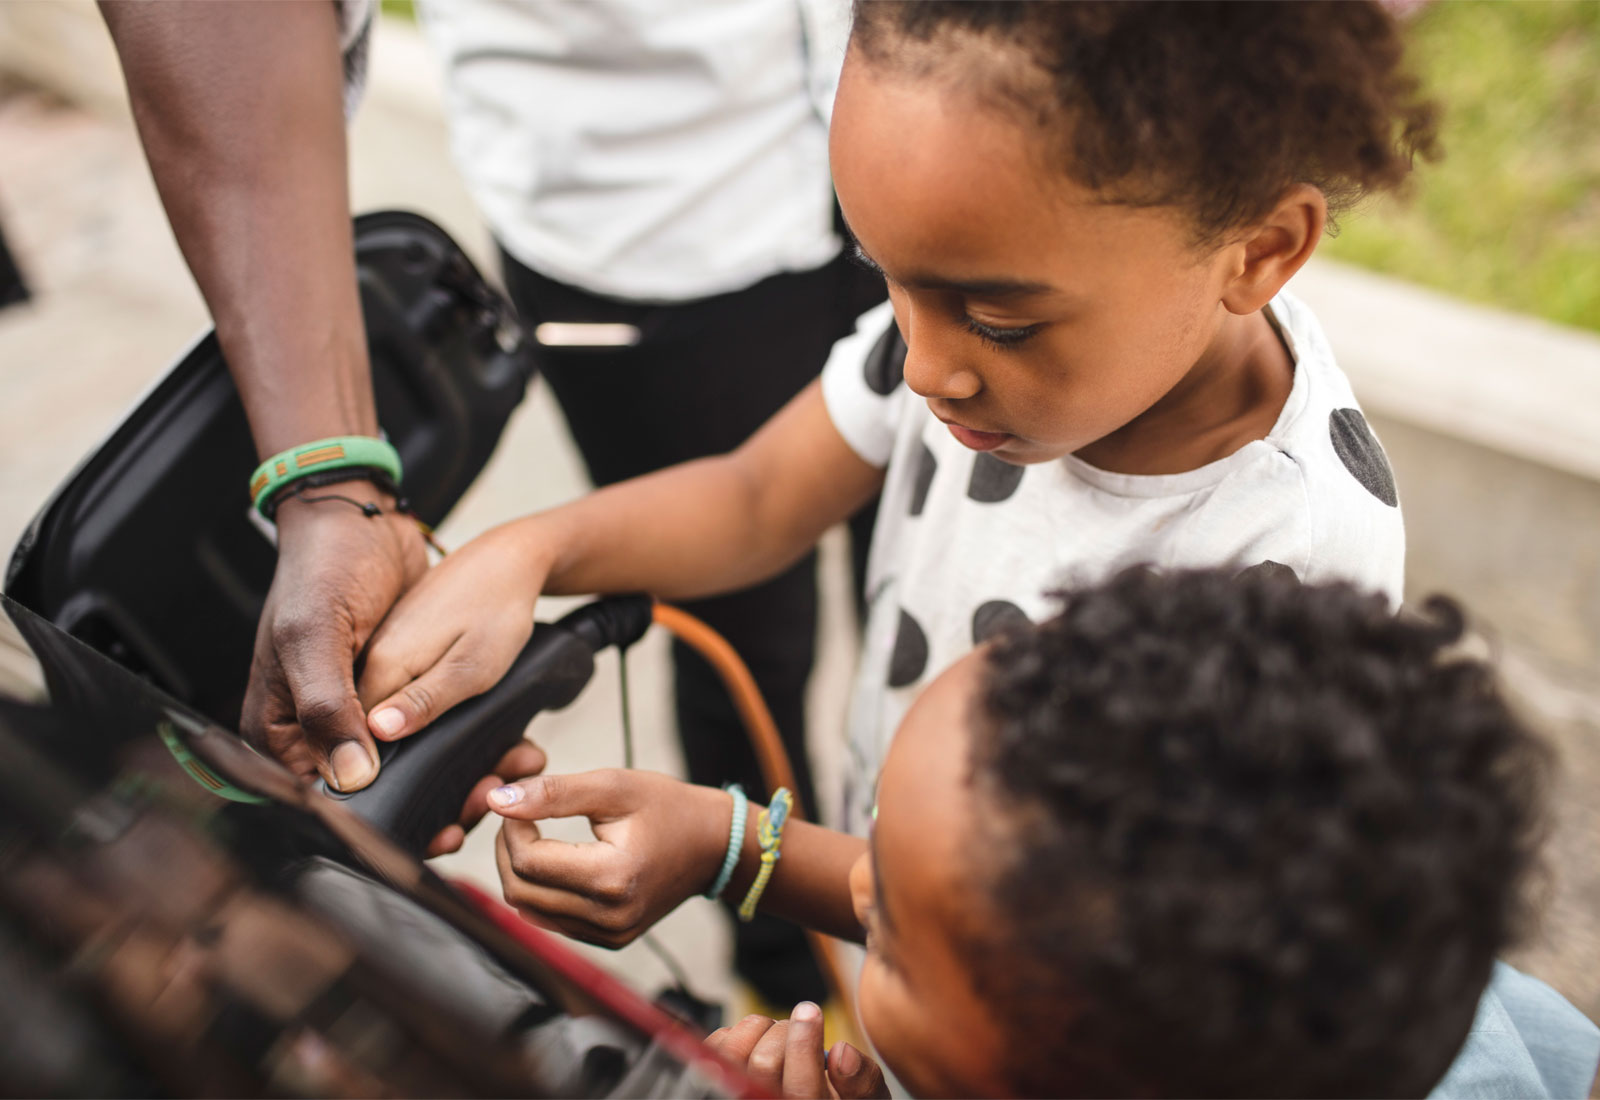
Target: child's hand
{"x": 525, "y": 759}
{"x": 785, "y": 1059}
{"x": 658, "y": 841}
{"x": 454, "y": 634}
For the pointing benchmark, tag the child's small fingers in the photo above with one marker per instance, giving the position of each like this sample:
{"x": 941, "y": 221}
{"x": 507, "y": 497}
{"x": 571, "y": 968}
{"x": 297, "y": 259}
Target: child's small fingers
{"x": 742, "y": 1037}
{"x": 450, "y": 839}
{"x": 853, "y": 1075}
{"x": 714, "y": 1040}
{"x": 802, "y": 1056}
{"x": 765, "y": 1064}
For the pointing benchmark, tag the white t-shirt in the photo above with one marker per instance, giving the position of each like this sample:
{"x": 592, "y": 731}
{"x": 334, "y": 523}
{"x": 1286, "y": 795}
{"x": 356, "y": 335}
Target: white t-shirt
{"x": 647, "y": 151}
{"x": 966, "y": 543}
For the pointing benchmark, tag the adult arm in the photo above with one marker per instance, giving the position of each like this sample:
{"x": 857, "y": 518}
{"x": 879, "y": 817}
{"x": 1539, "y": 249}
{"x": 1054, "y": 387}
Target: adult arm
{"x": 240, "y": 108}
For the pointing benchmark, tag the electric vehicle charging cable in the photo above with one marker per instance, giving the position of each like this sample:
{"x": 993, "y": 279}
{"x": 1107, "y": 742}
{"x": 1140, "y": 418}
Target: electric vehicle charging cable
{"x": 771, "y": 757}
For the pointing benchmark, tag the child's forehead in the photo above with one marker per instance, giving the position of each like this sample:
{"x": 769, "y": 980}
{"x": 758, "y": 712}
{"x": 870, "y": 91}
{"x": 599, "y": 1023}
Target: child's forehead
{"x": 931, "y": 181}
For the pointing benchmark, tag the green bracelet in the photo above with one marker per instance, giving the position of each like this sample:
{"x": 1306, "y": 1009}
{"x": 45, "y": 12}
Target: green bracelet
{"x": 339, "y": 453}
{"x": 769, "y": 833}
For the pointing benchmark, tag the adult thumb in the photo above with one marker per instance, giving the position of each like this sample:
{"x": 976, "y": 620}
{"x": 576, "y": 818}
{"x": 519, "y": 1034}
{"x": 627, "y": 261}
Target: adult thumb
{"x": 317, "y": 673}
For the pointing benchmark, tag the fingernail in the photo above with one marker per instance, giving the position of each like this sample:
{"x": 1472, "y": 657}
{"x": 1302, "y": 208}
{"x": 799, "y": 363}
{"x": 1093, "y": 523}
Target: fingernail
{"x": 389, "y": 720}
{"x": 806, "y": 1012}
{"x": 506, "y": 796}
{"x": 351, "y": 765}
{"x": 846, "y": 1059}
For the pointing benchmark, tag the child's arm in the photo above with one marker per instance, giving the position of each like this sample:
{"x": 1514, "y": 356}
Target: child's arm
{"x": 703, "y": 527}
{"x": 659, "y": 841}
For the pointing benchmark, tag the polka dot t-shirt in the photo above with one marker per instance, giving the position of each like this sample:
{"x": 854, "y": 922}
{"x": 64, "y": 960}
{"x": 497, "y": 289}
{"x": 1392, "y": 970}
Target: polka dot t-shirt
{"x": 966, "y": 543}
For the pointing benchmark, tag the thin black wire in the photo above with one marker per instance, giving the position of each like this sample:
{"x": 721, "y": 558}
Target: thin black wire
{"x": 627, "y": 717}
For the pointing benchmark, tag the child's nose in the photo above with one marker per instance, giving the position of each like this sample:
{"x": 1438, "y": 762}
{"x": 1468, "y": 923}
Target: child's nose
{"x": 933, "y": 372}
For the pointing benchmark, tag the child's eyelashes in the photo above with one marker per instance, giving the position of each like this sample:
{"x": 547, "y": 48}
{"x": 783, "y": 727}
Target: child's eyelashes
{"x": 860, "y": 258}
{"x": 1000, "y": 338}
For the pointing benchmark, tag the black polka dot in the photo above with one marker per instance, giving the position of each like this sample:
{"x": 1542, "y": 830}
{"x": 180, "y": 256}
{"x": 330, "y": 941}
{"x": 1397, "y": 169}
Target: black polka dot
{"x": 910, "y": 653}
{"x": 1361, "y": 454}
{"x": 927, "y": 466}
{"x": 1270, "y": 568}
{"x": 886, "y": 362}
{"x": 996, "y": 617}
{"x": 993, "y": 480}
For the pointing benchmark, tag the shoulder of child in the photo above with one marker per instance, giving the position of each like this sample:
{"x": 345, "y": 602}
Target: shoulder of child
{"x": 863, "y": 384}
{"x": 1317, "y": 495}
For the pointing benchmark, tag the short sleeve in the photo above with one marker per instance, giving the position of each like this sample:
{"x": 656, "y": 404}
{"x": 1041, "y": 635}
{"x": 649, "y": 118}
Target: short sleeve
{"x": 1266, "y": 514}
{"x": 863, "y": 385}
{"x": 355, "y": 43}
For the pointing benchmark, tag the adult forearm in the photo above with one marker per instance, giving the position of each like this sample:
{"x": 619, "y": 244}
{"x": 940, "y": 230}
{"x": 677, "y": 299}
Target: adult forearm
{"x": 240, "y": 108}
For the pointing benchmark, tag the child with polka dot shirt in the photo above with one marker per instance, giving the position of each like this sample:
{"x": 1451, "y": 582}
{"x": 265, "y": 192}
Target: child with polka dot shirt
{"x": 1086, "y": 215}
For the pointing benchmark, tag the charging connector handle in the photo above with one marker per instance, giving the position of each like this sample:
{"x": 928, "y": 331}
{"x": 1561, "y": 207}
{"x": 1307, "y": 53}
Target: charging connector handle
{"x": 424, "y": 779}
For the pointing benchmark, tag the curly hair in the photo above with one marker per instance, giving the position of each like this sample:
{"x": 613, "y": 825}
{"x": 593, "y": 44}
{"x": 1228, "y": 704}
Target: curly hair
{"x": 1264, "y": 839}
{"x": 1216, "y": 108}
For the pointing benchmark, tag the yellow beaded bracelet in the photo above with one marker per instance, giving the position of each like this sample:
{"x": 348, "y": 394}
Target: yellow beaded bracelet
{"x": 769, "y": 834}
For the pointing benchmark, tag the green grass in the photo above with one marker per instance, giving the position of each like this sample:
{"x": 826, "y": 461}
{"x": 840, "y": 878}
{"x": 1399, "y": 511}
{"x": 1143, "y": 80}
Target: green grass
{"x": 1511, "y": 215}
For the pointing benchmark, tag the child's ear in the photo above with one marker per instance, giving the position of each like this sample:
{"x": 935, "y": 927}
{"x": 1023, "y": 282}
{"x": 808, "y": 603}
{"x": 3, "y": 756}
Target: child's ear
{"x": 1274, "y": 248}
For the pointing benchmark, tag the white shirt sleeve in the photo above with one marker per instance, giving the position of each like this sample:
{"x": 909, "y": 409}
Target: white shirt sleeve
{"x": 1273, "y": 512}
{"x": 826, "y": 28}
{"x": 355, "y": 43}
{"x": 862, "y": 385}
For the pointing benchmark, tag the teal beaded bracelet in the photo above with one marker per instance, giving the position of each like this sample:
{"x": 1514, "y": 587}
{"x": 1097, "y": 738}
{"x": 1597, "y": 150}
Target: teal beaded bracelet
{"x": 741, "y": 811}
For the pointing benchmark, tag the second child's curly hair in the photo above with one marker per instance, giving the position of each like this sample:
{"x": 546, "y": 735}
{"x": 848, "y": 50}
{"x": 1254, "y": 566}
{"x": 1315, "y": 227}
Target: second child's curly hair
{"x": 1213, "y": 107}
{"x": 1262, "y": 839}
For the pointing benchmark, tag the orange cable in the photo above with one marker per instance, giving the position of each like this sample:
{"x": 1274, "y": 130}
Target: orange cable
{"x": 771, "y": 757}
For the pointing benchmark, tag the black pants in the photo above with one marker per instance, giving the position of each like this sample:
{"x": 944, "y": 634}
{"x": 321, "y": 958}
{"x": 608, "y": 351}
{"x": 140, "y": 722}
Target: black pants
{"x": 12, "y": 287}
{"x": 703, "y": 377}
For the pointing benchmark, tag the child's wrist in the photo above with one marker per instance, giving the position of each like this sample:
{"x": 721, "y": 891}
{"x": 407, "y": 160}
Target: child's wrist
{"x": 714, "y": 808}
{"x": 530, "y": 543}
{"x": 732, "y": 842}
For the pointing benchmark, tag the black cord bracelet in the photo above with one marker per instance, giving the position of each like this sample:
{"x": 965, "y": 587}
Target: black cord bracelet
{"x": 333, "y": 477}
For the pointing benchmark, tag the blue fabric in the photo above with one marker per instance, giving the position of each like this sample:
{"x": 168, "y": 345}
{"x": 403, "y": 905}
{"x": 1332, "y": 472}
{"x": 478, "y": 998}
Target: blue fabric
{"x": 1527, "y": 1041}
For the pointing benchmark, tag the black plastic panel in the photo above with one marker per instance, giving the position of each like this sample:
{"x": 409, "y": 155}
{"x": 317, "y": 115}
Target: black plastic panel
{"x": 147, "y": 552}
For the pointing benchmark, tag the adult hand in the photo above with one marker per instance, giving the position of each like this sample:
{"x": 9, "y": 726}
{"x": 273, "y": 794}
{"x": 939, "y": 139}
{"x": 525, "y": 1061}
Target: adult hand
{"x": 658, "y": 841}
{"x": 454, "y": 634}
{"x": 785, "y": 1058}
{"x": 338, "y": 574}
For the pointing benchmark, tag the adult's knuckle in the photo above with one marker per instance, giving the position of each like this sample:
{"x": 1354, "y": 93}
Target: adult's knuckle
{"x": 291, "y": 629}
{"x": 318, "y": 710}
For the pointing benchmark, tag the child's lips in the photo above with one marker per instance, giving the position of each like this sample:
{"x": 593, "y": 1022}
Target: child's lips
{"x": 976, "y": 440}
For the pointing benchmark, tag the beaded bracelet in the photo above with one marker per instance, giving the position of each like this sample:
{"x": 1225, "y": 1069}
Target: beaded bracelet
{"x": 741, "y": 811}
{"x": 769, "y": 833}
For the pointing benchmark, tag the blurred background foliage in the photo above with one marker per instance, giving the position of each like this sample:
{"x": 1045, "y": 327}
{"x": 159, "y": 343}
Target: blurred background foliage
{"x": 1511, "y": 215}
